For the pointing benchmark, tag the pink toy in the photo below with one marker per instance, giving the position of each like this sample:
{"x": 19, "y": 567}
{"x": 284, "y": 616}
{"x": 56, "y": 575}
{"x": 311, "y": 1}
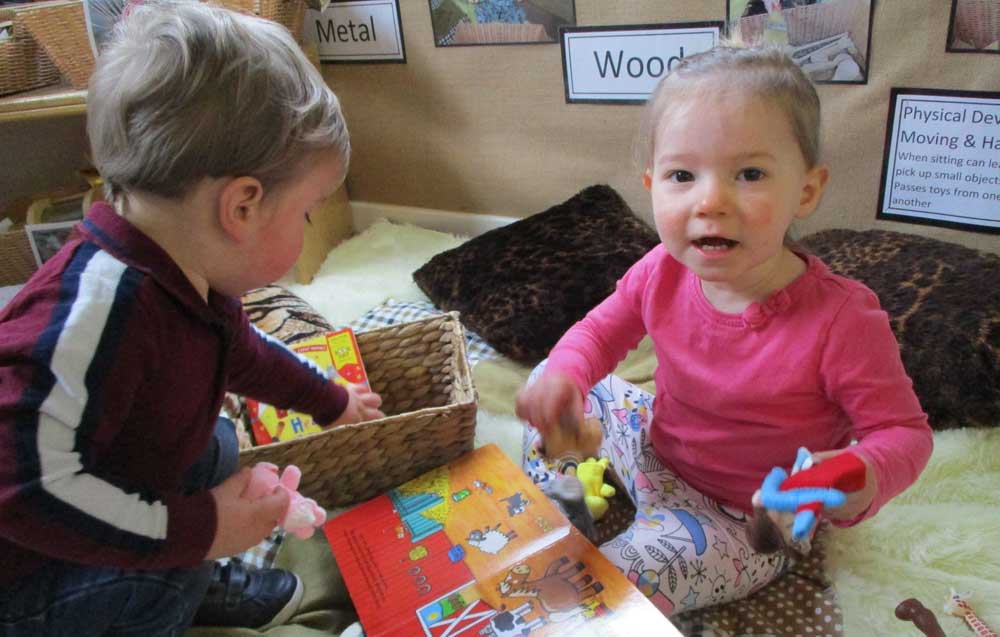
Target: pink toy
{"x": 303, "y": 515}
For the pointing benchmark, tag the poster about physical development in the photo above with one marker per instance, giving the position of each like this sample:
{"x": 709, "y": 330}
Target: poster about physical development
{"x": 942, "y": 159}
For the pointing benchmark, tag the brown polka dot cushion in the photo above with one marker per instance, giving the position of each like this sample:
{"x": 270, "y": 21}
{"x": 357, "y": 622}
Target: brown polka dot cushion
{"x": 521, "y": 286}
{"x": 943, "y": 302}
{"x": 799, "y": 603}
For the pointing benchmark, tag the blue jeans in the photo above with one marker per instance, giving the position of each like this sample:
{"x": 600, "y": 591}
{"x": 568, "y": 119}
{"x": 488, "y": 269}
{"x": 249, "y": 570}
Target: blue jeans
{"x": 71, "y": 599}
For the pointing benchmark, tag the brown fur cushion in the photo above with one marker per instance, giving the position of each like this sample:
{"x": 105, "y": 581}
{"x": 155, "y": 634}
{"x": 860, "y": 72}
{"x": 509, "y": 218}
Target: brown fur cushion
{"x": 943, "y": 303}
{"x": 521, "y": 286}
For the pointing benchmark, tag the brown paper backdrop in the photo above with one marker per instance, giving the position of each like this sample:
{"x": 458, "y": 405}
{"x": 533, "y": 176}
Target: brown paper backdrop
{"x": 485, "y": 129}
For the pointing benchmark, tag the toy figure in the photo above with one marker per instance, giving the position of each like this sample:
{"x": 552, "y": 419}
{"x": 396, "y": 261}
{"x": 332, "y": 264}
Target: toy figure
{"x": 572, "y": 441}
{"x": 923, "y": 618}
{"x": 804, "y": 494}
{"x": 303, "y": 515}
{"x": 595, "y": 491}
{"x": 958, "y": 605}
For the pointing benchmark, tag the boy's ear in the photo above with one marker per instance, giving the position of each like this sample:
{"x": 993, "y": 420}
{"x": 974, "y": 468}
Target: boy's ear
{"x": 239, "y": 206}
{"x": 647, "y": 180}
{"x": 812, "y": 190}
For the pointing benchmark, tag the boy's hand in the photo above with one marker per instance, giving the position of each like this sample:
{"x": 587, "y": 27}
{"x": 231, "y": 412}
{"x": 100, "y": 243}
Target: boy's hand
{"x": 553, "y": 405}
{"x": 362, "y": 405}
{"x": 243, "y": 523}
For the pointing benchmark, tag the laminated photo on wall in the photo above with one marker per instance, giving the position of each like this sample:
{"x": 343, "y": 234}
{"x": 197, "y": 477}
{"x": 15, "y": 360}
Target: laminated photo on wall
{"x": 974, "y": 26}
{"x": 830, "y": 39}
{"x": 47, "y": 238}
{"x": 471, "y": 22}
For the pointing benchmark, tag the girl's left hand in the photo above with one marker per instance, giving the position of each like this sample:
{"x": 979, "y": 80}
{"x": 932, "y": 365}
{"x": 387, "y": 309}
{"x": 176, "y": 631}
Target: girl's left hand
{"x": 857, "y": 501}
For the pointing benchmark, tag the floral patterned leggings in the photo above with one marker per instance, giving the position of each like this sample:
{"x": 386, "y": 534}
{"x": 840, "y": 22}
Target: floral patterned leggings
{"x": 683, "y": 550}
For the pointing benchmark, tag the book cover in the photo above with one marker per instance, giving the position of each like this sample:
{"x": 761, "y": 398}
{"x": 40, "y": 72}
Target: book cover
{"x": 336, "y": 353}
{"x": 474, "y": 548}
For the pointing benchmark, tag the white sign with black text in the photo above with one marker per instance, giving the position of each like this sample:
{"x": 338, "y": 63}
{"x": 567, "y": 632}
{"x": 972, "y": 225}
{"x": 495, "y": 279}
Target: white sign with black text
{"x": 357, "y": 31}
{"x": 624, "y": 64}
{"x": 942, "y": 159}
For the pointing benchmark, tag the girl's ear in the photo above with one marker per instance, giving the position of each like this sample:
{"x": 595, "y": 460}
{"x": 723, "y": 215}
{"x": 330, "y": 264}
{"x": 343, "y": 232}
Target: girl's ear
{"x": 239, "y": 206}
{"x": 647, "y": 180}
{"x": 812, "y": 190}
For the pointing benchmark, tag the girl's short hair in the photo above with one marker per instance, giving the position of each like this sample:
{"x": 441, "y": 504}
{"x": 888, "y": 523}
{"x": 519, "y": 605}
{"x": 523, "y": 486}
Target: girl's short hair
{"x": 762, "y": 70}
{"x": 186, "y": 90}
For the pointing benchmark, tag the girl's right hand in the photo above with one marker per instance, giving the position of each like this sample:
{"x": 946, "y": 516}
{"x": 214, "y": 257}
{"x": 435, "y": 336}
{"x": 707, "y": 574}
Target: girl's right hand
{"x": 553, "y": 405}
{"x": 242, "y": 523}
{"x": 552, "y": 402}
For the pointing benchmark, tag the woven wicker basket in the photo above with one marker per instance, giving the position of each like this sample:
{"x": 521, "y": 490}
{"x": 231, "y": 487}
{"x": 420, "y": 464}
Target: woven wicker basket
{"x": 17, "y": 262}
{"x": 421, "y": 371}
{"x": 25, "y": 64}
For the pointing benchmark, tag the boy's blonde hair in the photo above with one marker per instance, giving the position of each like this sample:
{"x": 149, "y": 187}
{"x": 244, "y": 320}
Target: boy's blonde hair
{"x": 187, "y": 90}
{"x": 760, "y": 70}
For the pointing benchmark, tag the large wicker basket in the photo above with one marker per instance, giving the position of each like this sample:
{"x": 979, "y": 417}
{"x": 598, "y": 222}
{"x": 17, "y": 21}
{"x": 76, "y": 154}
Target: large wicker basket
{"x": 422, "y": 373}
{"x": 25, "y": 64}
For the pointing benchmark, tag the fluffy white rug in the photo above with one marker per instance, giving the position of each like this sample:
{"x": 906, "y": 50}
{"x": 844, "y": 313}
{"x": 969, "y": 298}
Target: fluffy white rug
{"x": 372, "y": 267}
{"x": 942, "y": 533}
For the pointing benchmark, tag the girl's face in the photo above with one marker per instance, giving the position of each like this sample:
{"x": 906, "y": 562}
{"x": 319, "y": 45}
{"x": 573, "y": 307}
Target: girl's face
{"x": 727, "y": 180}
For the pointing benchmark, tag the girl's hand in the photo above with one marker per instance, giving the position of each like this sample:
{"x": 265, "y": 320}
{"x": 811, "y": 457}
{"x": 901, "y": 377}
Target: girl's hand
{"x": 553, "y": 405}
{"x": 857, "y": 501}
{"x": 362, "y": 405}
{"x": 550, "y": 403}
{"x": 242, "y": 523}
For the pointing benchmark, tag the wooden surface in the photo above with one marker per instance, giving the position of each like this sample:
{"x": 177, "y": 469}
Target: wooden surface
{"x": 51, "y": 101}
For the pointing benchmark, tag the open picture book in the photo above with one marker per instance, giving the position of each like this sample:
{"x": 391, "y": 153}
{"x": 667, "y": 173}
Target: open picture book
{"x": 475, "y": 548}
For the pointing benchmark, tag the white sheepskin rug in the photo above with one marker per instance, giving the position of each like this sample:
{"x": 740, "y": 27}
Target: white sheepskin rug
{"x": 941, "y": 533}
{"x": 372, "y": 267}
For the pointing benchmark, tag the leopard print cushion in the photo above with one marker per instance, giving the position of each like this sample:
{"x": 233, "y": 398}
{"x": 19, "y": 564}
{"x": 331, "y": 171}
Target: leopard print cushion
{"x": 943, "y": 303}
{"x": 521, "y": 286}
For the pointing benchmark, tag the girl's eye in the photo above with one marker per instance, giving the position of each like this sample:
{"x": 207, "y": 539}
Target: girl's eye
{"x": 679, "y": 176}
{"x": 751, "y": 174}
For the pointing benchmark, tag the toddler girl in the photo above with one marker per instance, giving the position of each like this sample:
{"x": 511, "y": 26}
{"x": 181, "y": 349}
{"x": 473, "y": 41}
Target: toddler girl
{"x": 760, "y": 348}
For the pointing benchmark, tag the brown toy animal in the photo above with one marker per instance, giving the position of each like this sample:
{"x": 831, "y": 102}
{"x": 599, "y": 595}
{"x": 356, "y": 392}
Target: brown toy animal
{"x": 925, "y": 621}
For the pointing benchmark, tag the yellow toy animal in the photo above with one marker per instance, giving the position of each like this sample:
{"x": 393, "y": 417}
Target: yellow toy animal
{"x": 595, "y": 492}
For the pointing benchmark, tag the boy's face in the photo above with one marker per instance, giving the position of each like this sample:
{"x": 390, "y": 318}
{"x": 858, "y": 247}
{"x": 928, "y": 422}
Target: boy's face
{"x": 286, "y": 211}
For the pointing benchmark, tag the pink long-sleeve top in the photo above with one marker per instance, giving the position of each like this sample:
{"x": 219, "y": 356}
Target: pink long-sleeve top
{"x": 815, "y": 365}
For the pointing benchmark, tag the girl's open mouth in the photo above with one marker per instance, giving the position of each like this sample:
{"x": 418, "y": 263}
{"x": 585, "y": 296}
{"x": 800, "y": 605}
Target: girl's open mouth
{"x": 715, "y": 243}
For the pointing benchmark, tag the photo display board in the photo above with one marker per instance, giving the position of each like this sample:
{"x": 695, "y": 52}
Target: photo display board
{"x": 942, "y": 159}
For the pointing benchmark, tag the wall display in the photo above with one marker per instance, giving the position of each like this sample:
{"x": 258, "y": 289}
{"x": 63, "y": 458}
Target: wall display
{"x": 974, "y": 26}
{"x": 47, "y": 238}
{"x": 623, "y": 64}
{"x": 942, "y": 159}
{"x": 830, "y": 39}
{"x": 356, "y": 31}
{"x": 469, "y": 22}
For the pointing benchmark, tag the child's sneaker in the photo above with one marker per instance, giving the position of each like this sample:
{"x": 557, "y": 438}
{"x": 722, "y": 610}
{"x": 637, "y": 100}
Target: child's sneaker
{"x": 258, "y": 599}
